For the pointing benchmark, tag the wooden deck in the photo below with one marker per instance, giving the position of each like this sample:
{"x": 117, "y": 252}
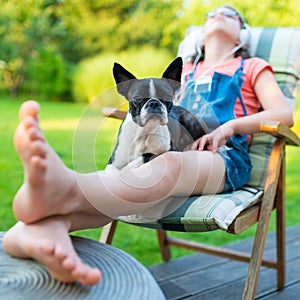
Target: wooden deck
{"x": 201, "y": 276}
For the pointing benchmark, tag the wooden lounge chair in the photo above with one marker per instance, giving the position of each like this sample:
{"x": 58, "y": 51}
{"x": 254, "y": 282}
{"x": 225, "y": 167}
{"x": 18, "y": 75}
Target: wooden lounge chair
{"x": 264, "y": 193}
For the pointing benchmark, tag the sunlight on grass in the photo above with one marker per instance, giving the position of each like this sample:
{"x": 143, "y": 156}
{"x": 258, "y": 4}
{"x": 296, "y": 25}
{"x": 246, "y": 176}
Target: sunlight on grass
{"x": 59, "y": 124}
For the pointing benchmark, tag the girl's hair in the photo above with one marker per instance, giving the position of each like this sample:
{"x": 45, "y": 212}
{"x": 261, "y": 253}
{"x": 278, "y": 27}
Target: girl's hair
{"x": 241, "y": 52}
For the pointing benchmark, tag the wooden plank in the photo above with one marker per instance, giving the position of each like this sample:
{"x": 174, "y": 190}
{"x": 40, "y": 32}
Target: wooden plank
{"x": 114, "y": 113}
{"x": 220, "y": 251}
{"x": 280, "y": 226}
{"x": 183, "y": 266}
{"x": 264, "y": 218}
{"x": 280, "y": 130}
{"x": 186, "y": 264}
{"x": 108, "y": 231}
{"x": 224, "y": 275}
{"x": 292, "y": 292}
{"x": 267, "y": 288}
{"x": 245, "y": 219}
{"x": 204, "y": 280}
{"x": 163, "y": 244}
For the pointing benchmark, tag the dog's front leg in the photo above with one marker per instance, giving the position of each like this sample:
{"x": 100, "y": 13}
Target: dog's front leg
{"x": 135, "y": 163}
{"x": 111, "y": 169}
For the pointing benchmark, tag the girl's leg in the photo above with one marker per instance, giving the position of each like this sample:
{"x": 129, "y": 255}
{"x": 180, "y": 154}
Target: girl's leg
{"x": 173, "y": 174}
{"x": 50, "y": 188}
{"x": 48, "y": 242}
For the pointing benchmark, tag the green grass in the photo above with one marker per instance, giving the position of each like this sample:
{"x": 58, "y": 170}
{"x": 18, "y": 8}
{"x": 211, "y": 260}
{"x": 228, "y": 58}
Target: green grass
{"x": 62, "y": 122}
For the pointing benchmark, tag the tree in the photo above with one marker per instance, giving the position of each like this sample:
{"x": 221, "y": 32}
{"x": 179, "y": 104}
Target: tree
{"x": 25, "y": 29}
{"x": 55, "y": 35}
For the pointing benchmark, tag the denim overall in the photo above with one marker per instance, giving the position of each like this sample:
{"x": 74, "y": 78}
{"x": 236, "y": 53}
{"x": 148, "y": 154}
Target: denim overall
{"x": 216, "y": 107}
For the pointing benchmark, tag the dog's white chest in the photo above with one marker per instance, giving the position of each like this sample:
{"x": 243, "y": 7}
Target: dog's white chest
{"x": 155, "y": 140}
{"x": 134, "y": 141}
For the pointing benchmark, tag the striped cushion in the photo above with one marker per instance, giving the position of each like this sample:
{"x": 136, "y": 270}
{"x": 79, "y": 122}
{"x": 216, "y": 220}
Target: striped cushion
{"x": 281, "y": 47}
{"x": 260, "y": 150}
{"x": 201, "y": 213}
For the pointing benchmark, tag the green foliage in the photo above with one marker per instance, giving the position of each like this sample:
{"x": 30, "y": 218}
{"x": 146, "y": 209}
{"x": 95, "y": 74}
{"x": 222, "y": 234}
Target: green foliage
{"x": 68, "y": 32}
{"x": 46, "y": 75}
{"x": 93, "y": 76}
{"x": 25, "y": 28}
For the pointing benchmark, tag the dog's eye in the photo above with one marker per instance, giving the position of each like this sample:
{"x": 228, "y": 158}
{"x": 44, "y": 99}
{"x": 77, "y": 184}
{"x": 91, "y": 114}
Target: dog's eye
{"x": 168, "y": 98}
{"x": 167, "y": 103}
{"x": 133, "y": 103}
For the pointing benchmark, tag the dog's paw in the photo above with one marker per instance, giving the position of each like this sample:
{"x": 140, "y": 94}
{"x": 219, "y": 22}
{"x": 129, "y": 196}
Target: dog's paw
{"x": 111, "y": 169}
{"x": 135, "y": 163}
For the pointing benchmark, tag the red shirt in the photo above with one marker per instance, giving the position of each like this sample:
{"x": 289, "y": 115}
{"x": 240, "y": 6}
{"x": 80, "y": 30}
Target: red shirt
{"x": 252, "y": 68}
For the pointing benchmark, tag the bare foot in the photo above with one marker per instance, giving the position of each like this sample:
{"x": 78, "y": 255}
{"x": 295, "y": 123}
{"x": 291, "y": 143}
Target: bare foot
{"x": 49, "y": 186}
{"x": 48, "y": 242}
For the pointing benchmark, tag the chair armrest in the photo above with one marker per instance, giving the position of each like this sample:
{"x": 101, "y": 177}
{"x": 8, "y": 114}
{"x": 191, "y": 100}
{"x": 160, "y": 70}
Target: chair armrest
{"x": 114, "y": 113}
{"x": 280, "y": 130}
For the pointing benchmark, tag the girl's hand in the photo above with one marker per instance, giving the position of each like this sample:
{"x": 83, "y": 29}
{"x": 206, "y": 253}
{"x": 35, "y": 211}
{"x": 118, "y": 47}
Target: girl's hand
{"x": 212, "y": 141}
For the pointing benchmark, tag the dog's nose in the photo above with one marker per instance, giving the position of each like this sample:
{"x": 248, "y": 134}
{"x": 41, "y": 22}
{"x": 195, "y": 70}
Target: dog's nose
{"x": 153, "y": 106}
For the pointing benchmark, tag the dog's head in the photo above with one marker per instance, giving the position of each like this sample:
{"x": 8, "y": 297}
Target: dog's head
{"x": 150, "y": 99}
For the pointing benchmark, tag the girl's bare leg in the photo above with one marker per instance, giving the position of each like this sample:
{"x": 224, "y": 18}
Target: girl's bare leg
{"x": 48, "y": 242}
{"x": 50, "y": 188}
{"x": 48, "y": 182}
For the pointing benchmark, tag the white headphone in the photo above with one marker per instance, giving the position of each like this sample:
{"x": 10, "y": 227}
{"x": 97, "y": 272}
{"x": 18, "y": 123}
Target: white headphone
{"x": 245, "y": 37}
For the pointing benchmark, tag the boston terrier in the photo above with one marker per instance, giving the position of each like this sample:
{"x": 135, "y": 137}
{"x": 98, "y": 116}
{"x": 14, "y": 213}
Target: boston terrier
{"x": 153, "y": 124}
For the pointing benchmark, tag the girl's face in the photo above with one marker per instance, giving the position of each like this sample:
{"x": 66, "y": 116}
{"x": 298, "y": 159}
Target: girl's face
{"x": 224, "y": 20}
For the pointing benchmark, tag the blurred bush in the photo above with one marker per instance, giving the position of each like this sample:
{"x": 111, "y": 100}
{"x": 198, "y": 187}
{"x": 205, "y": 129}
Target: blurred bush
{"x": 47, "y": 75}
{"x": 93, "y": 77}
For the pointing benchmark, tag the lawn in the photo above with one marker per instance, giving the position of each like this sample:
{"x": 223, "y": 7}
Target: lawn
{"x": 65, "y": 126}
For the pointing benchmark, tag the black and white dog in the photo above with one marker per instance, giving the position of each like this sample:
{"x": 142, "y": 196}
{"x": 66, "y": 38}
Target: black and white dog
{"x": 153, "y": 124}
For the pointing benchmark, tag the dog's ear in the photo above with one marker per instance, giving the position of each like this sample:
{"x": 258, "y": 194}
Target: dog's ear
{"x": 174, "y": 70}
{"x": 121, "y": 74}
{"x": 123, "y": 79}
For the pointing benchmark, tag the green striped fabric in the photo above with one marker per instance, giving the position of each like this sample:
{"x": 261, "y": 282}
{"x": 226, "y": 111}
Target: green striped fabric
{"x": 201, "y": 213}
{"x": 281, "y": 47}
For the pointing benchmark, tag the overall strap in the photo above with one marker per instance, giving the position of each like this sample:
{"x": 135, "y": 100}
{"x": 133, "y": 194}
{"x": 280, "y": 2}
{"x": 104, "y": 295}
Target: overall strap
{"x": 239, "y": 74}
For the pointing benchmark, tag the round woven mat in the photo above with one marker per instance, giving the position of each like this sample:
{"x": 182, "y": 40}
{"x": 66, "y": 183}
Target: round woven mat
{"x": 124, "y": 278}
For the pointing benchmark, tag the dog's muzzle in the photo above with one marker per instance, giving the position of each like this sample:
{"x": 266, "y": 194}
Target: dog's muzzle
{"x": 154, "y": 112}
{"x": 154, "y": 106}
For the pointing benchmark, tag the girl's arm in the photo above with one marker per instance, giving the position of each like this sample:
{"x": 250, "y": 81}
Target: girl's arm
{"x": 275, "y": 108}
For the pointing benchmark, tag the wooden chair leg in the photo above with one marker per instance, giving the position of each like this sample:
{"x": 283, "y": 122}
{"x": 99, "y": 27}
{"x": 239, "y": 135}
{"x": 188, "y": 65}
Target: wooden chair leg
{"x": 108, "y": 232}
{"x": 268, "y": 200}
{"x": 163, "y": 245}
{"x": 280, "y": 229}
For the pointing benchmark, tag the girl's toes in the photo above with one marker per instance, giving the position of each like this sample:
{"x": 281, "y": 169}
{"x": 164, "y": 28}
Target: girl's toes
{"x": 69, "y": 264}
{"x": 34, "y": 133}
{"x": 92, "y": 277}
{"x": 38, "y": 148}
{"x": 38, "y": 163}
{"x": 47, "y": 248}
{"x": 87, "y": 275}
{"x": 79, "y": 272}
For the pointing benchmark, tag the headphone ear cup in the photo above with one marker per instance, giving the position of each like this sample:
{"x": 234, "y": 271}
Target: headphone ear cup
{"x": 245, "y": 36}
